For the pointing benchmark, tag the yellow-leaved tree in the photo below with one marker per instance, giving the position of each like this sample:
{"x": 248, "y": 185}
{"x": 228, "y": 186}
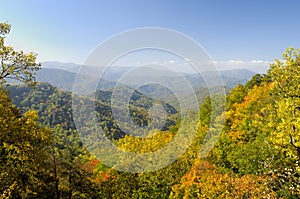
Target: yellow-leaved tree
{"x": 16, "y": 65}
{"x": 24, "y": 143}
{"x": 23, "y": 152}
{"x": 286, "y": 76}
{"x": 285, "y": 119}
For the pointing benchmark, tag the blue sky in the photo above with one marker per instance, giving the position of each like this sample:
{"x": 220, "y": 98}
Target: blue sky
{"x": 235, "y": 33}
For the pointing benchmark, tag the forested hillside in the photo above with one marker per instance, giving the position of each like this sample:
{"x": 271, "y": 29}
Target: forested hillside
{"x": 256, "y": 155}
{"x": 54, "y": 107}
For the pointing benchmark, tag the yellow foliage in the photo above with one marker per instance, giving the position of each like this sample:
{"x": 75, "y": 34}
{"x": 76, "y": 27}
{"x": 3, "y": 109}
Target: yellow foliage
{"x": 155, "y": 141}
{"x": 250, "y": 110}
{"x": 205, "y": 181}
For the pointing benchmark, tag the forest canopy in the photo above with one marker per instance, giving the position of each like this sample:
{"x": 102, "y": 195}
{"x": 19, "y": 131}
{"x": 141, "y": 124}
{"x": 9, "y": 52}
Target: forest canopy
{"x": 256, "y": 156}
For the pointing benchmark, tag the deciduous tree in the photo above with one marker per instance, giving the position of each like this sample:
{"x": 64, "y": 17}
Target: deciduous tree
{"x": 16, "y": 65}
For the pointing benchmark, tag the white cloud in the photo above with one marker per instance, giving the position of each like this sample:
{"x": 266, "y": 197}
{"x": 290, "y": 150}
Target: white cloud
{"x": 171, "y": 61}
{"x": 236, "y": 62}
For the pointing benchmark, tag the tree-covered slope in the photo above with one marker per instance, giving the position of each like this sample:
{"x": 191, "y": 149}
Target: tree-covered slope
{"x": 54, "y": 107}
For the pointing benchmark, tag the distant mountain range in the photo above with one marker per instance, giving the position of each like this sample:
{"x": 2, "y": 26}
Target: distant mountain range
{"x": 65, "y": 79}
{"x": 63, "y": 75}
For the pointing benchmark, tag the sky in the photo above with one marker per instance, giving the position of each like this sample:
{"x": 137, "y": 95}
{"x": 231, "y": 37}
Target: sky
{"x": 235, "y": 33}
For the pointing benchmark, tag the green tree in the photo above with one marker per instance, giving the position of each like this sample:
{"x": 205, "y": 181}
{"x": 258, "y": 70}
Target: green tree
{"x": 15, "y": 65}
{"x": 23, "y": 151}
{"x": 69, "y": 160}
{"x": 286, "y": 76}
{"x": 285, "y": 119}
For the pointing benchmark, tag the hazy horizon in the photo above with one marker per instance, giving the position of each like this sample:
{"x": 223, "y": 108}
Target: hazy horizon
{"x": 235, "y": 34}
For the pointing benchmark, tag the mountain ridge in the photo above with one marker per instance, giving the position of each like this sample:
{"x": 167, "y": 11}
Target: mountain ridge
{"x": 63, "y": 75}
